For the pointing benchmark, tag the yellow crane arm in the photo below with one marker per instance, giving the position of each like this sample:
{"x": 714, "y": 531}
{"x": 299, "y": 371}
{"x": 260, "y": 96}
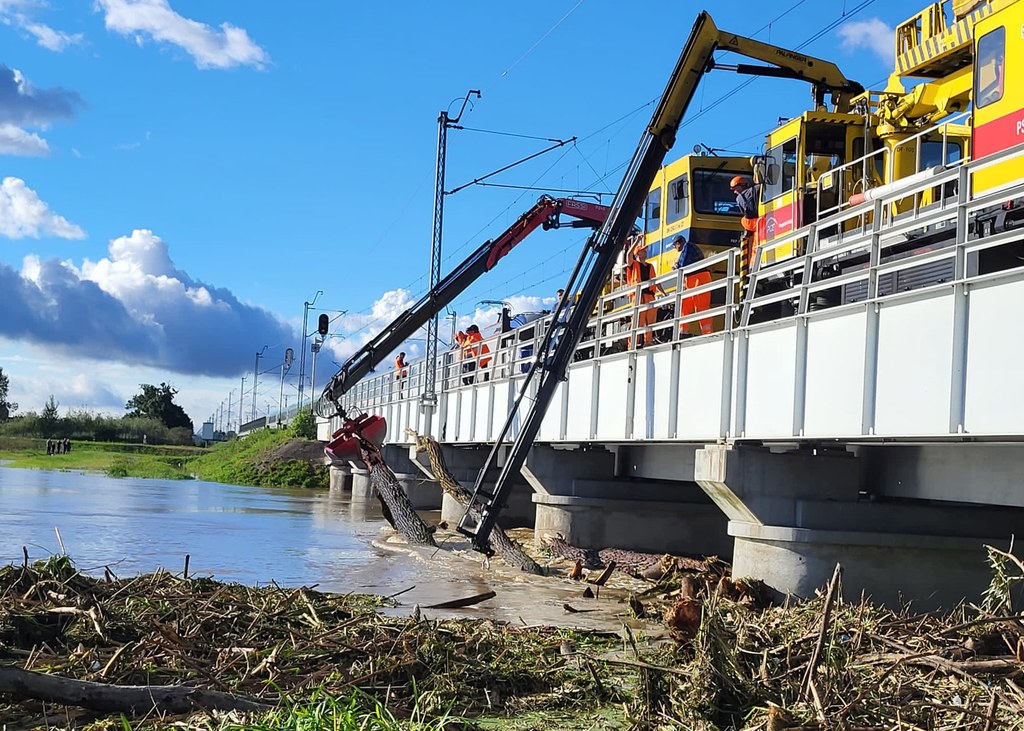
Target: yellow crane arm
{"x": 698, "y": 58}
{"x": 926, "y": 102}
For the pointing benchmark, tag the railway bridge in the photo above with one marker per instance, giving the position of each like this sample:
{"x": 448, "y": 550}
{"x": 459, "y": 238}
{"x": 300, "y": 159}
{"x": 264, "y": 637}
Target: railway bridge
{"x": 874, "y": 417}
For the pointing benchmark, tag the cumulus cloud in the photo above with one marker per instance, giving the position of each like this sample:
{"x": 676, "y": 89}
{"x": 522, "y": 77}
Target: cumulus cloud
{"x": 155, "y": 19}
{"x": 22, "y": 105}
{"x": 22, "y": 214}
{"x": 872, "y": 34}
{"x": 134, "y": 307}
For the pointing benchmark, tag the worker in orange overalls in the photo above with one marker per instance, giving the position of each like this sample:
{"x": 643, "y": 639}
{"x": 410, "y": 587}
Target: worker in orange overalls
{"x": 470, "y": 352}
{"x": 401, "y": 367}
{"x": 747, "y": 197}
{"x": 638, "y": 270}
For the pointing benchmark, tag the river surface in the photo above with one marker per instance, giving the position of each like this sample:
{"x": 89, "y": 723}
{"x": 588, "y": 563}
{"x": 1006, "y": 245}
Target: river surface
{"x": 255, "y": 536}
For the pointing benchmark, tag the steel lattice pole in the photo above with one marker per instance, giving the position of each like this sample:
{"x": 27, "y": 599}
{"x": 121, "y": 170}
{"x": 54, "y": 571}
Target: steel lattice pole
{"x": 429, "y": 398}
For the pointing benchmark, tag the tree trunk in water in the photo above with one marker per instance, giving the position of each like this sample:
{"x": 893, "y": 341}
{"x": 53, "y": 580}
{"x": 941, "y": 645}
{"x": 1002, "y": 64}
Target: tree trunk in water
{"x": 395, "y": 504}
{"x": 134, "y": 700}
{"x": 506, "y": 549}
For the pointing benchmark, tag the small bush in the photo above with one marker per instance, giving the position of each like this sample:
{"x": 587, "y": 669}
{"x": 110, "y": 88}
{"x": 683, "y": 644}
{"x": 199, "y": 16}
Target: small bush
{"x": 304, "y": 425}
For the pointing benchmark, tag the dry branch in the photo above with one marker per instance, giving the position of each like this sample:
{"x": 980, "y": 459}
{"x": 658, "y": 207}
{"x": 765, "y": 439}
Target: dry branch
{"x": 130, "y": 699}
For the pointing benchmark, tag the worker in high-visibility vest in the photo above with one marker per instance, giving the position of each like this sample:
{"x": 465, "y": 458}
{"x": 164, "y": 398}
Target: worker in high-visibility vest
{"x": 747, "y": 196}
{"x": 638, "y": 270}
{"x": 401, "y": 367}
{"x": 470, "y": 351}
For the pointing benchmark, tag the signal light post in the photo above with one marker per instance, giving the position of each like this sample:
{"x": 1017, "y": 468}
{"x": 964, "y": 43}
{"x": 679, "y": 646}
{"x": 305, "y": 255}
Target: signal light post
{"x": 302, "y": 351}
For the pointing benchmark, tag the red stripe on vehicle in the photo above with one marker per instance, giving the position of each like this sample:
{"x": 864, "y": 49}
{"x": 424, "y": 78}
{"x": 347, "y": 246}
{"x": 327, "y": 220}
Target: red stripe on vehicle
{"x": 999, "y": 134}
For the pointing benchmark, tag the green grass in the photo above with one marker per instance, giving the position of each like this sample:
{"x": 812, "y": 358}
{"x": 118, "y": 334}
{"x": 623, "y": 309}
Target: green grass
{"x": 116, "y": 460}
{"x": 238, "y": 462}
{"x": 246, "y": 462}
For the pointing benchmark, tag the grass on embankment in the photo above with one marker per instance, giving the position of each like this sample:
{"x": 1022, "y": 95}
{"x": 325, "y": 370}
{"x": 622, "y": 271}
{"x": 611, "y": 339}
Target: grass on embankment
{"x": 113, "y": 459}
{"x": 262, "y": 459}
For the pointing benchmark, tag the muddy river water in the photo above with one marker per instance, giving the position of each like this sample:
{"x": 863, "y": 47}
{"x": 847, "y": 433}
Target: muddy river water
{"x": 255, "y": 536}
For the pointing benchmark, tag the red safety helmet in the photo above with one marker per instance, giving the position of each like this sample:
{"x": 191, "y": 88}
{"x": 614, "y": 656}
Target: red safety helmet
{"x": 738, "y": 180}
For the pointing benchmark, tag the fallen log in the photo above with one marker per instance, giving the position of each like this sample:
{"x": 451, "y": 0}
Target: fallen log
{"x": 133, "y": 700}
{"x": 464, "y": 602}
{"x": 508, "y": 550}
{"x": 395, "y": 504}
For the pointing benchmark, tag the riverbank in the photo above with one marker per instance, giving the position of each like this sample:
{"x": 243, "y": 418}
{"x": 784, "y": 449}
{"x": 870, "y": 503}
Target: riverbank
{"x": 269, "y": 458}
{"x": 111, "y": 458}
{"x": 292, "y": 657}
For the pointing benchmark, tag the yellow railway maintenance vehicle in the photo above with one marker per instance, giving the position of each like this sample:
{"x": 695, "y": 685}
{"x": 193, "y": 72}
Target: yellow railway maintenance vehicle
{"x": 950, "y": 98}
{"x": 691, "y": 197}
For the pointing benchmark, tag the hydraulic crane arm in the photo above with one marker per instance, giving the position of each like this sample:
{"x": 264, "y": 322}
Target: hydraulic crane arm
{"x": 545, "y": 213}
{"x": 599, "y": 256}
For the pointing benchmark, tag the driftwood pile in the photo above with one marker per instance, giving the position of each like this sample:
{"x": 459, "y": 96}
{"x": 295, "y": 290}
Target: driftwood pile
{"x": 819, "y": 664}
{"x": 160, "y": 644}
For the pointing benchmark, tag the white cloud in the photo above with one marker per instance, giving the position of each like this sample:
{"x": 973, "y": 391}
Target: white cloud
{"x": 16, "y": 141}
{"x": 134, "y": 307}
{"x": 23, "y": 105}
{"x": 18, "y": 13}
{"x": 50, "y": 39}
{"x": 22, "y": 214}
{"x": 155, "y": 19}
{"x": 873, "y": 34}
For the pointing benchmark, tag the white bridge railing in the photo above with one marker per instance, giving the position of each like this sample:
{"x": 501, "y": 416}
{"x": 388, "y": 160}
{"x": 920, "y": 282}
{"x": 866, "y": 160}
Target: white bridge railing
{"x": 894, "y": 326}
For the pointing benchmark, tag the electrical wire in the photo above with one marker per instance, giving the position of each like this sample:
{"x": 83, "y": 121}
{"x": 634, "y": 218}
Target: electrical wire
{"x": 621, "y": 121}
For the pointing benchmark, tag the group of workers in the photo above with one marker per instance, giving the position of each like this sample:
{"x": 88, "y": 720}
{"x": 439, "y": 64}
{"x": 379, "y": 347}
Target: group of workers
{"x": 637, "y": 271}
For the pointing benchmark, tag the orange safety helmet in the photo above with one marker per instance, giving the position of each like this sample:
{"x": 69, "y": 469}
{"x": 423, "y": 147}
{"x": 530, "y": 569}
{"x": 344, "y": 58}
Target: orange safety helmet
{"x": 738, "y": 180}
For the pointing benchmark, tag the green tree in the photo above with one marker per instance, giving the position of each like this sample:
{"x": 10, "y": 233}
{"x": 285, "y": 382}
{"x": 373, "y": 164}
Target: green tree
{"x": 6, "y": 407}
{"x": 50, "y": 416}
{"x": 157, "y": 402}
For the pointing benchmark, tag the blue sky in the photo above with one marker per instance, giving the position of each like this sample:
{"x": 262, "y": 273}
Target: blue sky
{"x": 179, "y": 177}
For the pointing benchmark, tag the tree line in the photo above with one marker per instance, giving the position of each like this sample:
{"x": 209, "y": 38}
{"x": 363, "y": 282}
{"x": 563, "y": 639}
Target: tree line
{"x": 152, "y": 417}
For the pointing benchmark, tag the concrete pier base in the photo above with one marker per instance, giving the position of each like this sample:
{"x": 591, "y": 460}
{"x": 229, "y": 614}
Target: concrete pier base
{"x": 518, "y": 512}
{"x": 340, "y": 477}
{"x": 362, "y": 488}
{"x": 894, "y": 569}
{"x": 424, "y": 494}
{"x": 795, "y": 514}
{"x": 640, "y": 525}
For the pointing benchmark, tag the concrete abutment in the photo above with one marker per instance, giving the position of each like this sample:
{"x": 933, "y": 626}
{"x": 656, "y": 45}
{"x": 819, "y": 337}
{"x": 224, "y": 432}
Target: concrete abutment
{"x": 794, "y": 515}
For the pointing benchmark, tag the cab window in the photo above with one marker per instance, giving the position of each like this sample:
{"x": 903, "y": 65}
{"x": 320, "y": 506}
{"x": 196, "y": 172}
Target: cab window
{"x": 931, "y": 154}
{"x": 990, "y": 69}
{"x": 652, "y": 211}
{"x": 678, "y": 204}
{"x": 711, "y": 192}
{"x": 781, "y": 161}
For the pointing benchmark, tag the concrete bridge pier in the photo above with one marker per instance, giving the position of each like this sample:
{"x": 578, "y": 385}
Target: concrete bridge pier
{"x": 464, "y": 463}
{"x": 579, "y": 496}
{"x": 794, "y": 515}
{"x": 340, "y": 475}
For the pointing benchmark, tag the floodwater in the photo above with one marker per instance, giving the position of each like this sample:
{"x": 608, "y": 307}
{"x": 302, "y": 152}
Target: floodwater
{"x": 255, "y": 536}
